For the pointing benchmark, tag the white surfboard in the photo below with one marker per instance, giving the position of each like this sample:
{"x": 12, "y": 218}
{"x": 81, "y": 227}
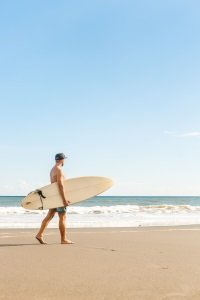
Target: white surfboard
{"x": 77, "y": 190}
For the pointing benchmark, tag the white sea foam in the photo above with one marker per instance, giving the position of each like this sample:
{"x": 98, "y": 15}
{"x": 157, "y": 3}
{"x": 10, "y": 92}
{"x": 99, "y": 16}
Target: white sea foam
{"x": 105, "y": 216}
{"x": 164, "y": 208}
{"x": 115, "y": 209}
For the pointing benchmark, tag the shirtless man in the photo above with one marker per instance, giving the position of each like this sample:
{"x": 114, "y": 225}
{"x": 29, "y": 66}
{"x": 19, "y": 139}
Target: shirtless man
{"x": 57, "y": 175}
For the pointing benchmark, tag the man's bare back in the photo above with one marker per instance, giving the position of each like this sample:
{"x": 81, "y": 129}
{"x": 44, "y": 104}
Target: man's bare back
{"x": 54, "y": 174}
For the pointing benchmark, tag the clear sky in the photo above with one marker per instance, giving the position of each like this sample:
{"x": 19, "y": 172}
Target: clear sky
{"x": 113, "y": 84}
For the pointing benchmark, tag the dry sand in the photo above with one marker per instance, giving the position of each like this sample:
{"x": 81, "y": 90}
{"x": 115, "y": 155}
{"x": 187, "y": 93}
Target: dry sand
{"x": 121, "y": 263}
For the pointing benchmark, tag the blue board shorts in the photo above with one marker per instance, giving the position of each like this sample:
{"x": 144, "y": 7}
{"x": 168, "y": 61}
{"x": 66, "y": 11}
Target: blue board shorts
{"x": 61, "y": 209}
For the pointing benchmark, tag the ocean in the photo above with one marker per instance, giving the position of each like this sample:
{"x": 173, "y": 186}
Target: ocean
{"x": 107, "y": 211}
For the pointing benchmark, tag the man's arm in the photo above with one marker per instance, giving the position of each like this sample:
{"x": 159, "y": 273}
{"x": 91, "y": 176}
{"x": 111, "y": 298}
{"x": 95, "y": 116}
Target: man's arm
{"x": 61, "y": 187}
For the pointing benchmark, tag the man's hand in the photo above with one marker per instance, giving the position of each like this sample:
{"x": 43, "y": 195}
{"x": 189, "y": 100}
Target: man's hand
{"x": 66, "y": 202}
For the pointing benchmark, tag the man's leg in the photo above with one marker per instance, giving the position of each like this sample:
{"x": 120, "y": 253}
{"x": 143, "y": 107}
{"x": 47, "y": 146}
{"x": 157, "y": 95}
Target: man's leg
{"x": 62, "y": 227}
{"x": 44, "y": 224}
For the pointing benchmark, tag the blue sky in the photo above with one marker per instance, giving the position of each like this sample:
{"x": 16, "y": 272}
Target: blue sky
{"x": 113, "y": 84}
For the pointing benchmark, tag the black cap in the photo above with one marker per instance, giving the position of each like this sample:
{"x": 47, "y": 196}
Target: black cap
{"x": 60, "y": 156}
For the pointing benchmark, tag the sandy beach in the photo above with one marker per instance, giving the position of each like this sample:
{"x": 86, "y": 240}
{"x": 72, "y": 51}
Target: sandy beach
{"x": 115, "y": 263}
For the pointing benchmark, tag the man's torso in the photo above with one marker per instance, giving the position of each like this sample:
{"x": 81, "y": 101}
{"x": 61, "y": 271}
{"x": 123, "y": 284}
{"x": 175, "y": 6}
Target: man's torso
{"x": 53, "y": 174}
{"x": 53, "y": 177}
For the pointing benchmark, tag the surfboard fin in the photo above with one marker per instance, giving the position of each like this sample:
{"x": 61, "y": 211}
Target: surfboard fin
{"x": 40, "y": 193}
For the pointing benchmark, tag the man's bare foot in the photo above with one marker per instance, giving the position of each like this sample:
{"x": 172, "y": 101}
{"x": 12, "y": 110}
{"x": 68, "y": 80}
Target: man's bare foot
{"x": 67, "y": 242}
{"x": 40, "y": 240}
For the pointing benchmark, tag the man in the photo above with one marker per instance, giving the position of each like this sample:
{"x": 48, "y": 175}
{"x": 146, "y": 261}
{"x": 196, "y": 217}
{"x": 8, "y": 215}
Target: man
{"x": 57, "y": 175}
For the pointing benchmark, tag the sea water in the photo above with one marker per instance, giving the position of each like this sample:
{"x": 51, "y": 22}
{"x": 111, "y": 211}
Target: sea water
{"x": 107, "y": 211}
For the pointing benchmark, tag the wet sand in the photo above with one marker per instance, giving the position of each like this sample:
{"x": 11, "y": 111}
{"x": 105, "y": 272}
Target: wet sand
{"x": 111, "y": 263}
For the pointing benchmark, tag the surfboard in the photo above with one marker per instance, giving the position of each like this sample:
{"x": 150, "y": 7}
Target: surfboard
{"x": 77, "y": 190}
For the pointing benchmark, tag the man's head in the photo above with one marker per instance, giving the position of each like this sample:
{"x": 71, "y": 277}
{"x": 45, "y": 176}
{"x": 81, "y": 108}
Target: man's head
{"x": 60, "y": 158}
